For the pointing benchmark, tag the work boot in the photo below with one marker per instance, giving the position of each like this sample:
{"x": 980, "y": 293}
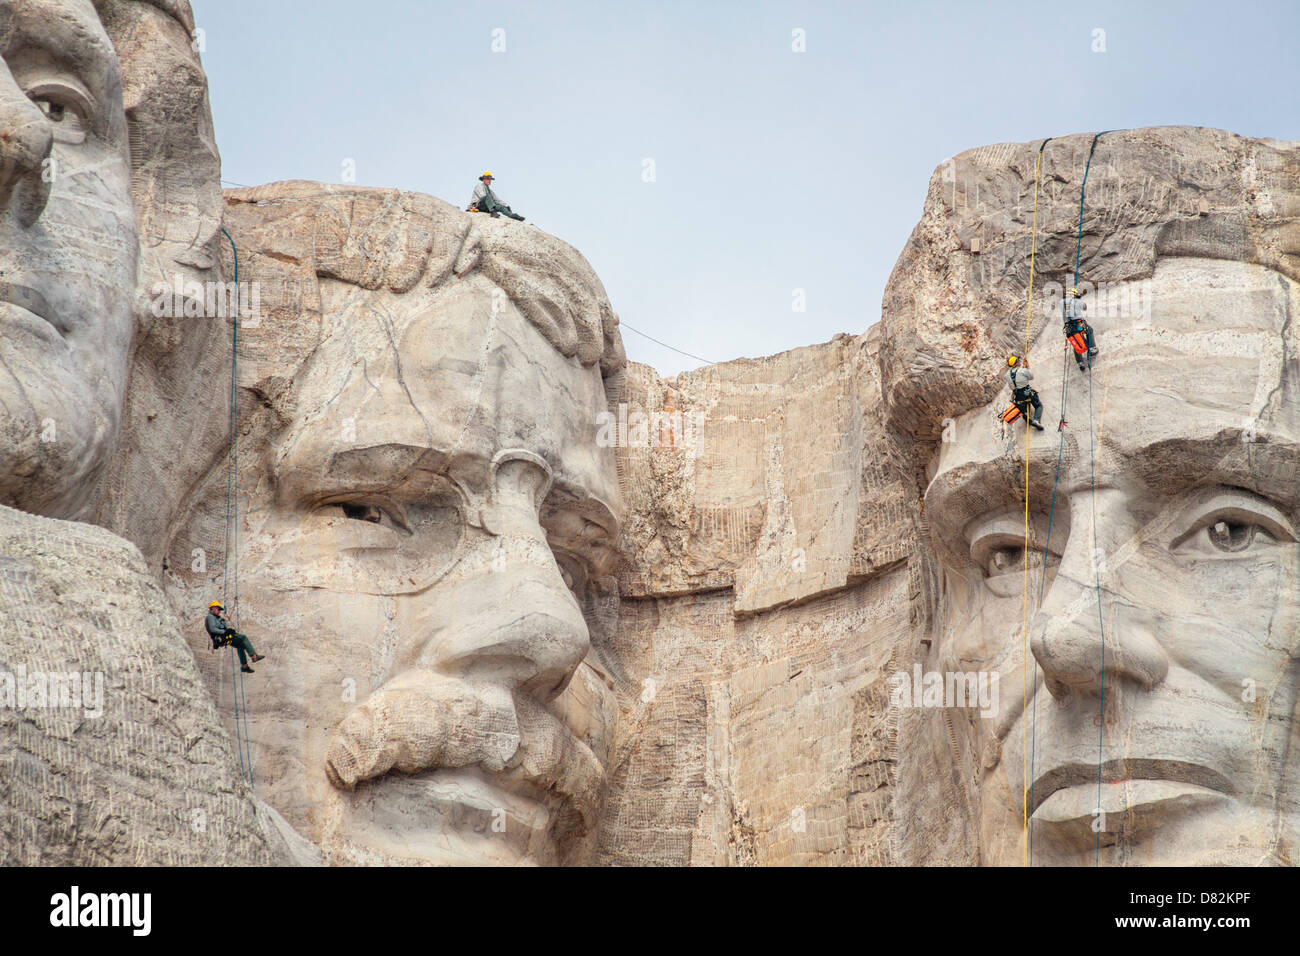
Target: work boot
{"x": 247, "y": 670}
{"x": 257, "y": 657}
{"x": 1036, "y": 425}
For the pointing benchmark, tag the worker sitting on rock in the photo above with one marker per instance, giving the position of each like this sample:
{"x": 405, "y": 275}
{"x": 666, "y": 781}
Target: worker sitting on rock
{"x": 484, "y": 200}
{"x": 1022, "y": 395}
{"x": 1077, "y": 330}
{"x": 224, "y": 635}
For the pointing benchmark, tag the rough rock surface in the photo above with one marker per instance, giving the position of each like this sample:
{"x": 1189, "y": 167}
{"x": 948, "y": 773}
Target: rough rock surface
{"x": 108, "y": 416}
{"x": 763, "y": 605}
{"x": 427, "y": 527}
{"x": 769, "y": 476}
{"x": 525, "y": 603}
{"x": 127, "y": 762}
{"x": 1186, "y": 428}
{"x": 1188, "y": 260}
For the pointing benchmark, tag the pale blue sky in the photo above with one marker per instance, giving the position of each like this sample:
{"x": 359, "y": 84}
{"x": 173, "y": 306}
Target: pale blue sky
{"x": 774, "y": 170}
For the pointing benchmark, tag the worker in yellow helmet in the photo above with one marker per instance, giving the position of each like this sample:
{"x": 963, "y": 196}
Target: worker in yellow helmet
{"x": 1023, "y": 396}
{"x": 224, "y": 635}
{"x": 485, "y": 200}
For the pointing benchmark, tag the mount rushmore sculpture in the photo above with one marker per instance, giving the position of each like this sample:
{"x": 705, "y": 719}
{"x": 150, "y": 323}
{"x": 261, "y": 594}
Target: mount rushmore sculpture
{"x": 526, "y": 602}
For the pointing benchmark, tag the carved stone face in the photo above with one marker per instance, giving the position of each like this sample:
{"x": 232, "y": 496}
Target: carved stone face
{"x": 68, "y": 253}
{"x": 437, "y": 524}
{"x": 1193, "y": 537}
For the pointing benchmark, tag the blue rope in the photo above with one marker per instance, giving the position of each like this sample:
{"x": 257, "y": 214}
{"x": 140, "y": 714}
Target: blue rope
{"x": 1047, "y": 546}
{"x": 1092, "y": 461}
{"x": 1101, "y": 625}
{"x": 1078, "y": 245}
{"x": 242, "y": 744}
{"x": 1042, "y": 582}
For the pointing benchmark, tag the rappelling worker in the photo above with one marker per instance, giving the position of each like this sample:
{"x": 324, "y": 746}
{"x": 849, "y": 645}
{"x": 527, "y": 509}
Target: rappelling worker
{"x": 1023, "y": 395}
{"x": 1077, "y": 330}
{"x": 224, "y": 635}
{"x": 485, "y": 200}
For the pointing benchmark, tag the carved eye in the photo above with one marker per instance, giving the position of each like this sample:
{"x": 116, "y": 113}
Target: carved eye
{"x": 1227, "y": 534}
{"x": 365, "y": 511}
{"x": 68, "y": 110}
{"x": 1002, "y": 560}
{"x": 1235, "y": 522}
{"x": 362, "y": 513}
{"x": 1230, "y": 536}
{"x": 997, "y": 549}
{"x": 999, "y": 554}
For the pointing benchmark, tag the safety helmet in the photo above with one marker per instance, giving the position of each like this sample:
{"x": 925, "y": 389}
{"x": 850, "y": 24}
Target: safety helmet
{"x": 487, "y": 175}
{"x": 1072, "y": 292}
{"x": 1012, "y": 359}
{"x": 215, "y": 604}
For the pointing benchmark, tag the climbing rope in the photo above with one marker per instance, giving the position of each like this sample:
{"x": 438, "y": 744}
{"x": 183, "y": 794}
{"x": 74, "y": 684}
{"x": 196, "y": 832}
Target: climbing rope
{"x": 1029, "y": 321}
{"x": 1047, "y": 545}
{"x": 1096, "y": 570}
{"x": 231, "y": 554}
{"x": 1101, "y": 624}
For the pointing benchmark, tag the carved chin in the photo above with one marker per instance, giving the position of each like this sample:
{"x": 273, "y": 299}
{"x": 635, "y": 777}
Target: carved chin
{"x": 58, "y": 434}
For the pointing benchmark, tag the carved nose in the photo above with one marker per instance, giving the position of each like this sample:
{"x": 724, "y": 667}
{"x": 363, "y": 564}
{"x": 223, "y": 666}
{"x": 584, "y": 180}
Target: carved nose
{"x": 25, "y": 143}
{"x": 1080, "y": 648}
{"x": 525, "y": 636}
{"x": 515, "y": 622}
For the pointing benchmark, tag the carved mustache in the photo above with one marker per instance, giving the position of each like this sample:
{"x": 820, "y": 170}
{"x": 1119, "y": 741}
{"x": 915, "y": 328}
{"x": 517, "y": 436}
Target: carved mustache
{"x": 422, "y": 720}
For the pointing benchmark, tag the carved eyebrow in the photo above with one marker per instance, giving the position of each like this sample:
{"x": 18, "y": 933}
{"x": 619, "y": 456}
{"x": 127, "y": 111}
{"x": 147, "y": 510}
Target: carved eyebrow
{"x": 959, "y": 495}
{"x": 72, "y": 41}
{"x": 69, "y": 41}
{"x": 1269, "y": 466}
{"x": 363, "y": 469}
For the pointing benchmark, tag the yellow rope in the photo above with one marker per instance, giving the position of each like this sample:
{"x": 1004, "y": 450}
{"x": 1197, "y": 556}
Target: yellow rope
{"x": 1029, "y": 319}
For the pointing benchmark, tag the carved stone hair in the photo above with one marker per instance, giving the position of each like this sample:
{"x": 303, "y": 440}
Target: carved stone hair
{"x": 955, "y": 304}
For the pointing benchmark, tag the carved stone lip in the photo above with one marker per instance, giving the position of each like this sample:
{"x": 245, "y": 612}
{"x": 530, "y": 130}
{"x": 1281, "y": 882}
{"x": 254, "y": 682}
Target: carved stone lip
{"x": 1127, "y": 769}
{"x": 553, "y": 768}
{"x": 30, "y": 300}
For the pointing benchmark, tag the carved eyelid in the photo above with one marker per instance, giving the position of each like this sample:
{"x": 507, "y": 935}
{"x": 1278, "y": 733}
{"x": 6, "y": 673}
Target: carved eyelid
{"x": 1238, "y": 505}
{"x": 386, "y": 506}
{"x": 984, "y": 535}
{"x": 64, "y": 90}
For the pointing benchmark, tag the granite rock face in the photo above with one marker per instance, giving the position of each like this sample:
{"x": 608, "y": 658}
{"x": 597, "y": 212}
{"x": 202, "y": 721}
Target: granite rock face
{"x": 114, "y": 753}
{"x": 755, "y": 525}
{"x": 763, "y": 605}
{"x": 525, "y": 603}
{"x": 106, "y": 414}
{"x": 428, "y": 527}
{"x": 1167, "y": 587}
